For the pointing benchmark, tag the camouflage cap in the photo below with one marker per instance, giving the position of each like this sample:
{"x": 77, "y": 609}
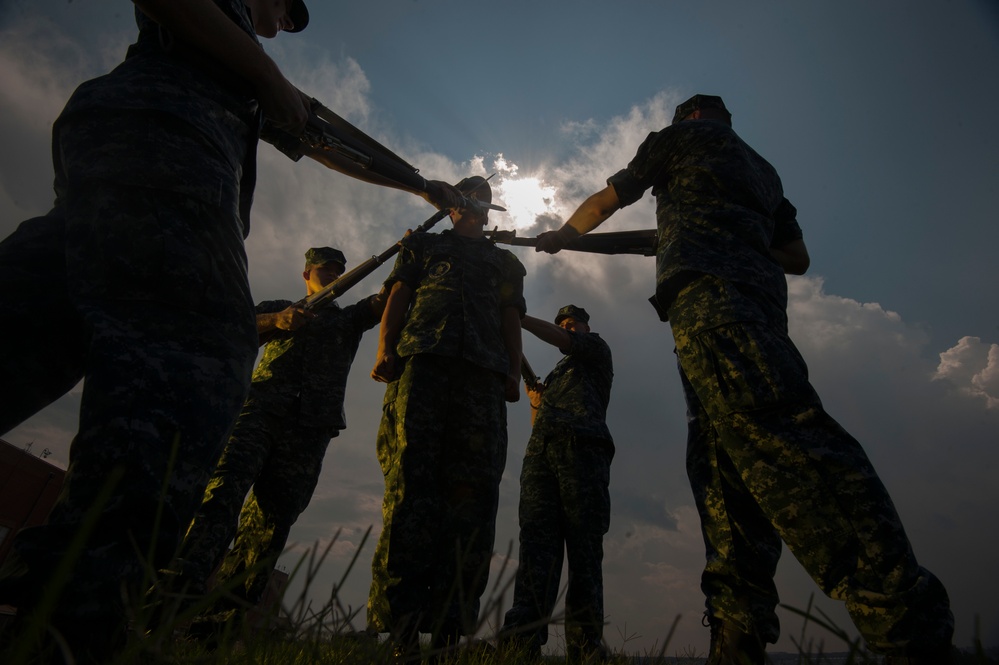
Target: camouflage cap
{"x": 299, "y": 15}
{"x": 320, "y": 256}
{"x": 699, "y": 102}
{"x": 571, "y": 311}
{"x": 476, "y": 187}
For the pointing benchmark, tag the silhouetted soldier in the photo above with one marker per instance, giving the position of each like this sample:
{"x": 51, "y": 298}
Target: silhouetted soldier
{"x": 450, "y": 351}
{"x": 764, "y": 459}
{"x": 294, "y": 408}
{"x": 564, "y": 491}
{"x": 137, "y": 278}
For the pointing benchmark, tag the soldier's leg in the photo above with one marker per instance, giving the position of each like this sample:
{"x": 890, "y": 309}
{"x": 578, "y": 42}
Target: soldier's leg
{"x": 471, "y": 465}
{"x": 159, "y": 281}
{"x": 542, "y": 548}
{"x": 815, "y": 484}
{"x": 584, "y": 482}
{"x": 280, "y": 494}
{"x": 408, "y": 445}
{"x": 45, "y": 341}
{"x": 741, "y": 546}
{"x": 246, "y": 454}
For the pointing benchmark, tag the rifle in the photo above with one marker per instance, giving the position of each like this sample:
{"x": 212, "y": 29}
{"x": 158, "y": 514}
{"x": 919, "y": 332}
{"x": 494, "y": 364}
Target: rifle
{"x": 339, "y": 145}
{"x": 531, "y": 379}
{"x": 641, "y": 242}
{"x": 334, "y": 142}
{"x": 329, "y": 293}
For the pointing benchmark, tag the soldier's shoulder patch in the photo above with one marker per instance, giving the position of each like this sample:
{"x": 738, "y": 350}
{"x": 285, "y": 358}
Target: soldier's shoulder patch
{"x": 439, "y": 269}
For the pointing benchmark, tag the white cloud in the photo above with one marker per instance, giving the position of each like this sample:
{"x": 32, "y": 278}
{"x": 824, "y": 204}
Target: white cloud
{"x": 612, "y": 146}
{"x": 973, "y": 367}
{"x": 861, "y": 336}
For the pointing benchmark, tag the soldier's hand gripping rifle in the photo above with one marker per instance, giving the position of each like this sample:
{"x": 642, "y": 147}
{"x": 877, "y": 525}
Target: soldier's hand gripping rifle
{"x": 642, "y": 242}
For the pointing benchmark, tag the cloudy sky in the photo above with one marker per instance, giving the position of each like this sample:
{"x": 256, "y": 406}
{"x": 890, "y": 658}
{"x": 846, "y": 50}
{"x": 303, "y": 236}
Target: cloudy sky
{"x": 879, "y": 117}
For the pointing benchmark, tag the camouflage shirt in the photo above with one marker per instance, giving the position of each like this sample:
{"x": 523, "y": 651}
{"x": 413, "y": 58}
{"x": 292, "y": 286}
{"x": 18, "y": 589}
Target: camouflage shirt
{"x": 577, "y": 391}
{"x": 188, "y": 105}
{"x": 720, "y": 206}
{"x": 304, "y": 373}
{"x": 460, "y": 288}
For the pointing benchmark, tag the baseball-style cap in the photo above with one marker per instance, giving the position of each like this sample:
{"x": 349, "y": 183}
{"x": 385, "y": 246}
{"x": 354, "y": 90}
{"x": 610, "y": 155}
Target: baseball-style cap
{"x": 299, "y": 15}
{"x": 320, "y": 256}
{"x": 571, "y": 311}
{"x": 699, "y": 102}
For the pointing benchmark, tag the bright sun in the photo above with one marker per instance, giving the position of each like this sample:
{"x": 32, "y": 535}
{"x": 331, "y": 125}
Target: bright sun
{"x": 525, "y": 199}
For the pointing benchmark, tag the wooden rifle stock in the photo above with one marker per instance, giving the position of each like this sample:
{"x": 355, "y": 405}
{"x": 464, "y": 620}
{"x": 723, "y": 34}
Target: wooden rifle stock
{"x": 337, "y": 144}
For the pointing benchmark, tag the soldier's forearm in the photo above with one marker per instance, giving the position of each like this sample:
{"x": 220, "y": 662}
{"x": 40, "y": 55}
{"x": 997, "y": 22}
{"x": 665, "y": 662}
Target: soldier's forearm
{"x": 266, "y": 322}
{"x": 546, "y": 331}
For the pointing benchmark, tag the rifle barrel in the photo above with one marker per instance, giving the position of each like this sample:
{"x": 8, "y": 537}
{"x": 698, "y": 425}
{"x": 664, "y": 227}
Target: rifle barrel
{"x": 348, "y": 280}
{"x": 530, "y": 378}
{"x": 640, "y": 242}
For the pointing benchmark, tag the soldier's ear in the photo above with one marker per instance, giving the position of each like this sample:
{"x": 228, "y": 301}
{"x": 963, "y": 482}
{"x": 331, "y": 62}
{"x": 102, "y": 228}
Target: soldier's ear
{"x": 306, "y": 274}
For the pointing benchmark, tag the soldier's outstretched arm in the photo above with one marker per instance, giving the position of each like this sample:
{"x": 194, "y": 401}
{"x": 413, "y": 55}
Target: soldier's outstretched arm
{"x": 546, "y": 331}
{"x": 593, "y": 212}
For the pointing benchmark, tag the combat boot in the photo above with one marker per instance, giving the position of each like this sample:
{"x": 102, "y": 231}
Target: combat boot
{"x": 731, "y": 646}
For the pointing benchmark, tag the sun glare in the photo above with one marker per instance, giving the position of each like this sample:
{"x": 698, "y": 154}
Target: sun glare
{"x": 525, "y": 199}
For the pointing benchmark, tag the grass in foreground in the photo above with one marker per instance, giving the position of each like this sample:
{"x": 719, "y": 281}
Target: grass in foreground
{"x": 298, "y": 634}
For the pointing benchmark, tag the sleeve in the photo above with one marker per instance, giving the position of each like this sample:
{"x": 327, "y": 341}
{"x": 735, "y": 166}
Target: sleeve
{"x": 631, "y": 182}
{"x": 361, "y": 316}
{"x": 407, "y": 264}
{"x": 786, "y": 226}
{"x": 512, "y": 289}
{"x": 587, "y": 346}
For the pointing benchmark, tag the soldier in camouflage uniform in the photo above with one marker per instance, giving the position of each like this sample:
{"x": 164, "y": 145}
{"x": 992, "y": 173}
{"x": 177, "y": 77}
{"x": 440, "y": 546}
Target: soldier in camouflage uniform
{"x": 450, "y": 350}
{"x": 764, "y": 459}
{"x": 564, "y": 490}
{"x": 137, "y": 277}
{"x": 294, "y": 408}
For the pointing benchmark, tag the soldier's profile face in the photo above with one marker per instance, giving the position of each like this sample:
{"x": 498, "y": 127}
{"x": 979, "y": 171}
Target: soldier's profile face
{"x": 320, "y": 276}
{"x": 468, "y": 216}
{"x": 270, "y": 16}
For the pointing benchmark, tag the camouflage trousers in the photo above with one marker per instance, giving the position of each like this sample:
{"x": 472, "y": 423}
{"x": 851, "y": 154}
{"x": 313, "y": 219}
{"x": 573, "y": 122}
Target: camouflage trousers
{"x": 144, "y": 293}
{"x": 766, "y": 463}
{"x": 564, "y": 508}
{"x": 442, "y": 449}
{"x": 281, "y": 460}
